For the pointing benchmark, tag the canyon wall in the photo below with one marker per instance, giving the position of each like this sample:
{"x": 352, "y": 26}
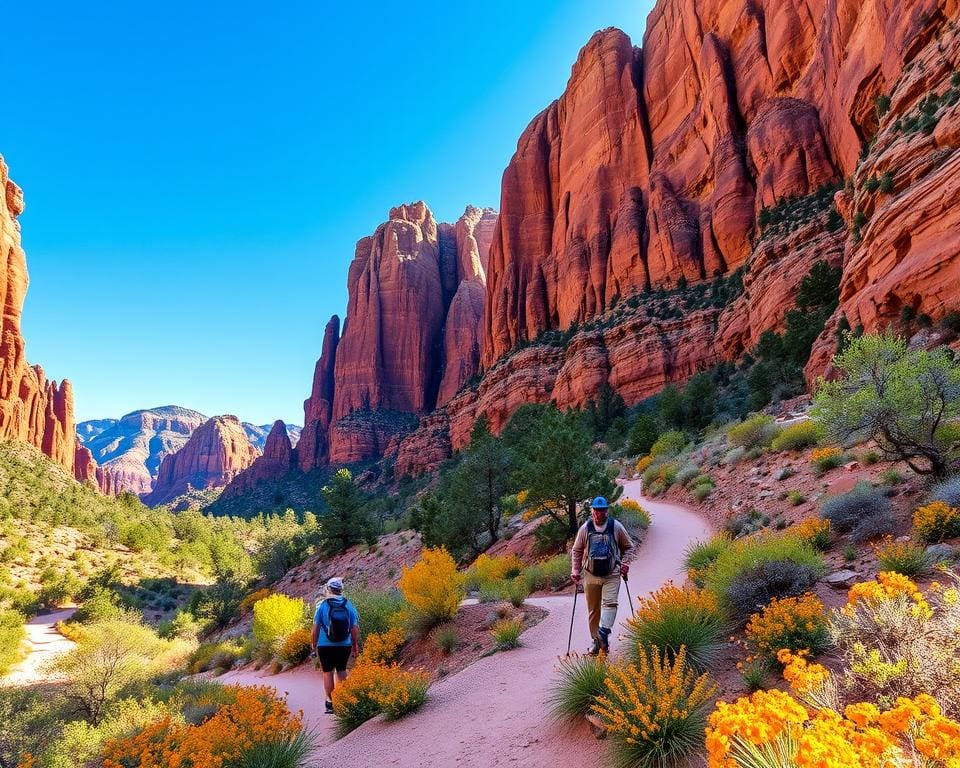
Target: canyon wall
{"x": 32, "y": 408}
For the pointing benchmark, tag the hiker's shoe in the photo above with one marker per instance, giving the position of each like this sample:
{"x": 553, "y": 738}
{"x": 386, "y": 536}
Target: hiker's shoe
{"x": 329, "y": 706}
{"x": 595, "y": 648}
{"x": 603, "y": 639}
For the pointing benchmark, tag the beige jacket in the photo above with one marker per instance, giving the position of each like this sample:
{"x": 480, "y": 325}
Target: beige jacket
{"x": 578, "y": 555}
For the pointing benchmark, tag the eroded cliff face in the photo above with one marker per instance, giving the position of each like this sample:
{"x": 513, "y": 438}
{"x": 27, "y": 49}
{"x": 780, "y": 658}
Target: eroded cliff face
{"x": 411, "y": 338}
{"x": 217, "y": 451}
{"x": 32, "y": 409}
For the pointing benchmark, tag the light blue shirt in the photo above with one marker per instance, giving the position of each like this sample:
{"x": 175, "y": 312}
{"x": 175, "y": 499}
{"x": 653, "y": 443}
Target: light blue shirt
{"x": 322, "y": 619}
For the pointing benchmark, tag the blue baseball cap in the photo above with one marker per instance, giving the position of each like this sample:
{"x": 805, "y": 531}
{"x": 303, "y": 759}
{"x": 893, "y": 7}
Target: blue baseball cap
{"x": 599, "y": 503}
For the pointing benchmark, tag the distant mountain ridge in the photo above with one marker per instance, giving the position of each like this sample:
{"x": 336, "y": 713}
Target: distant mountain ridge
{"x": 130, "y": 450}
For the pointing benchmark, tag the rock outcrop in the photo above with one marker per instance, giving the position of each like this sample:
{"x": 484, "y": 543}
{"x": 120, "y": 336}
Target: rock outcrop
{"x": 277, "y": 459}
{"x": 217, "y": 451}
{"x": 32, "y": 409}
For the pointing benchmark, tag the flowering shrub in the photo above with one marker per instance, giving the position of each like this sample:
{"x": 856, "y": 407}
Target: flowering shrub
{"x": 756, "y": 432}
{"x": 827, "y": 458}
{"x": 936, "y": 521}
{"x": 255, "y": 716}
{"x": 246, "y": 605}
{"x": 506, "y": 634}
{"x": 887, "y": 586}
{"x": 383, "y": 648}
{"x": 489, "y": 570}
{"x": 643, "y": 463}
{"x": 678, "y": 617}
{"x": 631, "y": 514}
{"x": 902, "y": 557}
{"x": 804, "y": 678}
{"x": 432, "y": 586}
{"x": 655, "y": 709}
{"x": 793, "y": 623}
{"x": 373, "y": 688}
{"x": 296, "y": 647}
{"x": 275, "y": 617}
{"x": 814, "y": 531}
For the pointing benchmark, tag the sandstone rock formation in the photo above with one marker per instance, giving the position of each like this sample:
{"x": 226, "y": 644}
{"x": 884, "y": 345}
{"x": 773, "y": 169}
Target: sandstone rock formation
{"x": 217, "y": 451}
{"x": 278, "y": 458}
{"x": 32, "y": 409}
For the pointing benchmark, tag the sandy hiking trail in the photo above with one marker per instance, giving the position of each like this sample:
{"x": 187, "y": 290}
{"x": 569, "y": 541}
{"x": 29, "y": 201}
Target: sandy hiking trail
{"x": 494, "y": 712}
{"x": 44, "y": 643}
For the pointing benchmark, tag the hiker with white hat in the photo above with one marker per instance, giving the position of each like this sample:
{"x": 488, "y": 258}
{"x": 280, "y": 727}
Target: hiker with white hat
{"x": 336, "y": 632}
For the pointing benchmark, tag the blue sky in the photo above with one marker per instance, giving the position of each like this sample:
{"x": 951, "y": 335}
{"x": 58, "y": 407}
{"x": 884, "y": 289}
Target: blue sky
{"x": 196, "y": 174}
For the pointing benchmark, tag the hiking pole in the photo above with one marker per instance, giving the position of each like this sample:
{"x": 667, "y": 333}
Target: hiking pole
{"x": 576, "y": 591}
{"x": 629, "y": 599}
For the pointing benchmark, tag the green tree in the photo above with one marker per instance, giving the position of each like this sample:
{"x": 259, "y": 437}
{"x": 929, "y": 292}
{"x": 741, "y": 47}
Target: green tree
{"x": 902, "y": 398}
{"x": 561, "y": 470}
{"x": 670, "y": 405}
{"x": 643, "y": 434}
{"x": 603, "y": 411}
{"x": 348, "y": 520}
{"x": 820, "y": 287}
{"x": 699, "y": 401}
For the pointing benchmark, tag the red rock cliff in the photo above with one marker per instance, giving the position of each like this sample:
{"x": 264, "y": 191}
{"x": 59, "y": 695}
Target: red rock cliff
{"x": 32, "y": 409}
{"x": 217, "y": 451}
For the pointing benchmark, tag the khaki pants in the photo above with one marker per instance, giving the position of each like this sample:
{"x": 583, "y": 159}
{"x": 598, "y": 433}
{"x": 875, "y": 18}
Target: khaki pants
{"x": 602, "y": 597}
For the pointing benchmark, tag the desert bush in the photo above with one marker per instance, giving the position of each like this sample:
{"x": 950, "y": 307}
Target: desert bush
{"x": 254, "y": 716}
{"x": 631, "y": 515}
{"x": 379, "y": 610}
{"x": 275, "y": 618}
{"x": 517, "y": 591}
{"x": 446, "y": 639}
{"x": 758, "y": 431}
{"x": 871, "y": 457}
{"x": 896, "y": 641}
{"x": 12, "y": 634}
{"x": 643, "y": 434}
{"x": 751, "y": 571}
{"x": 580, "y": 682}
{"x": 668, "y": 444}
{"x": 700, "y": 555}
{"x": 814, "y": 531}
{"x": 903, "y": 557}
{"x": 506, "y": 634}
{"x": 673, "y": 618}
{"x": 488, "y": 570}
{"x": 287, "y": 751}
{"x": 655, "y": 711}
{"x": 744, "y": 523}
{"x": 552, "y": 573}
{"x": 796, "y": 498}
{"x": 246, "y": 605}
{"x": 890, "y": 477}
{"x": 936, "y": 521}
{"x": 686, "y": 473}
{"x": 433, "y": 587}
{"x": 402, "y": 693}
{"x": 296, "y": 647}
{"x": 826, "y": 458}
{"x": 354, "y": 699}
{"x": 100, "y": 604}
{"x": 948, "y": 492}
{"x": 492, "y": 593}
{"x": 383, "y": 648}
{"x": 220, "y": 655}
{"x": 863, "y": 512}
{"x": 794, "y": 623}
{"x": 796, "y": 437}
{"x": 733, "y": 456}
{"x": 642, "y": 464}
{"x": 701, "y": 492}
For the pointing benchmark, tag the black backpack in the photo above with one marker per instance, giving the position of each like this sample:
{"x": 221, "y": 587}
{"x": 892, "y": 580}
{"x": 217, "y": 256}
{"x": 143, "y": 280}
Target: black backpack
{"x": 602, "y": 550}
{"x": 339, "y": 622}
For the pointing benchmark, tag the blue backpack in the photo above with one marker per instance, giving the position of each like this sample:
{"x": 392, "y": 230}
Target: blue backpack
{"x": 339, "y": 623}
{"x": 602, "y": 550}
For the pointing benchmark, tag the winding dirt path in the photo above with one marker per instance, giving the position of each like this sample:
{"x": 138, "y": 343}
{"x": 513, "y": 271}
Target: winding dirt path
{"x": 494, "y": 712}
{"x": 44, "y": 644}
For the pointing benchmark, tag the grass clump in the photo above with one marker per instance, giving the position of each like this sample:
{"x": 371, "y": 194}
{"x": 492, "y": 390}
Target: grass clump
{"x": 678, "y": 617}
{"x": 378, "y": 610}
{"x": 903, "y": 557}
{"x": 446, "y": 639}
{"x": 553, "y": 573}
{"x": 864, "y": 512}
{"x": 758, "y": 431}
{"x": 655, "y": 711}
{"x": 796, "y": 437}
{"x": 288, "y": 751}
{"x": 700, "y": 555}
{"x": 506, "y": 634}
{"x": 580, "y": 682}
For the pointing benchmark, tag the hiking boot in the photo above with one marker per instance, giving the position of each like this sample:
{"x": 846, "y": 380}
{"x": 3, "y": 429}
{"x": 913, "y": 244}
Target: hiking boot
{"x": 329, "y": 706}
{"x": 595, "y": 648}
{"x": 603, "y": 639}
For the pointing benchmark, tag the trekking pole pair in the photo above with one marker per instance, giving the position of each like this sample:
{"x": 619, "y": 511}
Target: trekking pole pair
{"x": 576, "y": 591}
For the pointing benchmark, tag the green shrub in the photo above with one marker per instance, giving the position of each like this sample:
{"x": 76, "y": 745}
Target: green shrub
{"x": 517, "y": 591}
{"x": 754, "y": 673}
{"x": 100, "y": 604}
{"x": 700, "y": 555}
{"x": 864, "y": 512}
{"x": 643, "y": 435}
{"x": 701, "y": 492}
{"x": 903, "y": 557}
{"x": 733, "y": 456}
{"x": 580, "y": 681}
{"x": 758, "y": 431}
{"x": 687, "y": 473}
{"x": 445, "y": 636}
{"x": 796, "y": 437}
{"x": 274, "y": 618}
{"x": 413, "y": 687}
{"x": 376, "y": 609}
{"x": 12, "y": 634}
{"x": 871, "y": 457}
{"x": 290, "y": 752}
{"x": 674, "y": 617}
{"x": 750, "y": 571}
{"x": 668, "y": 444}
{"x": 796, "y": 498}
{"x": 219, "y": 655}
{"x": 506, "y": 634}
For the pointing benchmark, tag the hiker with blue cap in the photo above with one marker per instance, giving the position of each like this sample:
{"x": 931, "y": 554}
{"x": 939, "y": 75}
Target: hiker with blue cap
{"x": 598, "y": 549}
{"x": 335, "y": 634}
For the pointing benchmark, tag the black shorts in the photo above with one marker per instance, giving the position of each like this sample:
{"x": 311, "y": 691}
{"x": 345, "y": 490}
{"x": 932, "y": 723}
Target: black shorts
{"x": 333, "y": 657}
